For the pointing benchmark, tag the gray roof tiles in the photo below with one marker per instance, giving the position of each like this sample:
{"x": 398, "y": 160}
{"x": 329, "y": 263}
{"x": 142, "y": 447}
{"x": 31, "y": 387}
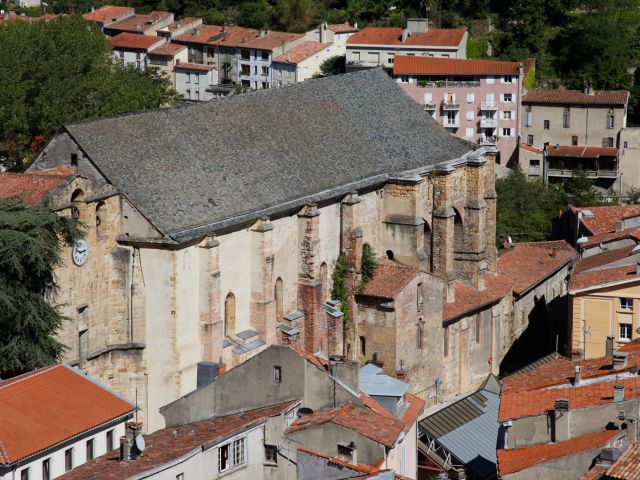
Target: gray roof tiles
{"x": 193, "y": 169}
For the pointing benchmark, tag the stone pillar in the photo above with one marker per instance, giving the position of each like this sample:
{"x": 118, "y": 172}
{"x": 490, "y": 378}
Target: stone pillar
{"x": 443, "y": 218}
{"x": 211, "y": 331}
{"x": 351, "y": 246}
{"x": 262, "y": 310}
{"x": 490, "y": 199}
{"x": 309, "y": 283}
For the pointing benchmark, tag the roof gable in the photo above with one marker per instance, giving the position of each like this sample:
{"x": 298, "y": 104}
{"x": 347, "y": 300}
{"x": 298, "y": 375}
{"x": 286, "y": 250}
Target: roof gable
{"x": 251, "y": 155}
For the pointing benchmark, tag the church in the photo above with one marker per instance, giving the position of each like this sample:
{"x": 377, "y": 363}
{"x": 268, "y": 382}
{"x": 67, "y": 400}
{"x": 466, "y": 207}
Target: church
{"x": 213, "y": 231}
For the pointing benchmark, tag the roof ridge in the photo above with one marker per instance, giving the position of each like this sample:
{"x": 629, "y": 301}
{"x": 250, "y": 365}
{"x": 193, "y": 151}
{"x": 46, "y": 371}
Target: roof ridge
{"x": 28, "y": 375}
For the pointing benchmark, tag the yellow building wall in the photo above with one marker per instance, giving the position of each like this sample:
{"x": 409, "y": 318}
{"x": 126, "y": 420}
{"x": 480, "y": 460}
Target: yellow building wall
{"x": 597, "y": 314}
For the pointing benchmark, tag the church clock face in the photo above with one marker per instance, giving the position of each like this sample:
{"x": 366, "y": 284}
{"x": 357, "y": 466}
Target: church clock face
{"x": 80, "y": 252}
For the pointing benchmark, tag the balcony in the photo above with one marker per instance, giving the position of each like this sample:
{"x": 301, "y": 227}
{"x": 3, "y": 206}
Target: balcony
{"x": 488, "y": 123}
{"x": 450, "y": 123}
{"x": 445, "y": 84}
{"x": 489, "y": 106}
{"x": 488, "y": 140}
{"x": 450, "y": 105}
{"x": 558, "y": 172}
{"x": 429, "y": 105}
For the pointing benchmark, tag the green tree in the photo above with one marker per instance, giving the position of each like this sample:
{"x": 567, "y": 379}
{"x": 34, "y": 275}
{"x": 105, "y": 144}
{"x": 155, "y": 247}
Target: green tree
{"x": 297, "y": 15}
{"x": 526, "y": 208}
{"x": 369, "y": 264}
{"x": 339, "y": 290}
{"x": 579, "y": 189}
{"x": 29, "y": 252}
{"x": 331, "y": 66}
{"x": 61, "y": 71}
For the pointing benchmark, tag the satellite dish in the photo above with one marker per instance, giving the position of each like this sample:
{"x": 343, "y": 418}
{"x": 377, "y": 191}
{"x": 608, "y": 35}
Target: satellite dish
{"x": 139, "y": 443}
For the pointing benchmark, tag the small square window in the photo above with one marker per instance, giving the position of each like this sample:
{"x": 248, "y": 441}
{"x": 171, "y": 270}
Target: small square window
{"x": 24, "y": 474}
{"x": 624, "y": 332}
{"x": 534, "y": 162}
{"x": 529, "y": 139}
{"x": 546, "y": 124}
{"x": 277, "y": 374}
{"x": 507, "y": 97}
{"x": 574, "y": 140}
{"x": 626, "y": 303}
{"x": 110, "y": 445}
{"x": 68, "y": 459}
{"x": 271, "y": 454}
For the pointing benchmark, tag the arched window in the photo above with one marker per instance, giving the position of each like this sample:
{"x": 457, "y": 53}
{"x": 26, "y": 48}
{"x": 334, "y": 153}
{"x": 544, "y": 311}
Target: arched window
{"x": 101, "y": 217}
{"x": 458, "y": 232}
{"x": 324, "y": 279}
{"x": 427, "y": 244}
{"x": 278, "y": 296}
{"x": 390, "y": 254}
{"x": 77, "y": 207}
{"x": 230, "y": 315}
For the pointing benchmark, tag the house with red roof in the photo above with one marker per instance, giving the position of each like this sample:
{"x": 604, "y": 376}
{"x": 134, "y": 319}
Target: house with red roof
{"x": 55, "y": 419}
{"x": 336, "y": 34}
{"x": 108, "y": 14}
{"x": 301, "y": 62}
{"x": 140, "y": 24}
{"x": 377, "y": 46}
{"x": 133, "y": 49}
{"x": 559, "y": 417}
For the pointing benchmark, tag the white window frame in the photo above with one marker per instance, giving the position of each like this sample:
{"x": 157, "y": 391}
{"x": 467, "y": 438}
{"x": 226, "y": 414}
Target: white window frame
{"x": 627, "y": 329}
{"x": 470, "y": 97}
{"x": 626, "y": 304}
{"x": 470, "y": 115}
{"x": 505, "y": 134}
{"x": 504, "y": 97}
{"x": 490, "y": 79}
{"x": 469, "y": 133}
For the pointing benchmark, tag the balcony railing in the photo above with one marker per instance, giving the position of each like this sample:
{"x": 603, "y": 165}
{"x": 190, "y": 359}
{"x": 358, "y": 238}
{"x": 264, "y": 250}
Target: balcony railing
{"x": 448, "y": 123}
{"x": 488, "y": 123}
{"x": 450, "y": 105}
{"x": 429, "y": 105}
{"x": 558, "y": 172}
{"x": 488, "y": 140}
{"x": 488, "y": 106}
{"x": 443, "y": 84}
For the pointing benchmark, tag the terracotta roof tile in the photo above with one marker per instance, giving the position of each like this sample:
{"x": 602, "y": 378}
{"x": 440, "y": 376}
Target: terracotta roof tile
{"x": 107, "y": 12}
{"x": 47, "y": 406}
{"x": 607, "y": 276}
{"x": 627, "y": 467}
{"x": 528, "y": 264}
{"x": 412, "y": 65}
{"x": 434, "y": 37}
{"x": 31, "y": 187}
{"x": 389, "y": 280}
{"x": 602, "y": 258}
{"x": 132, "y": 40}
{"x": 170, "y": 444}
{"x": 379, "y": 428}
{"x": 342, "y": 27}
{"x": 594, "y": 474}
{"x": 567, "y": 151}
{"x": 167, "y": 49}
{"x": 218, "y": 35}
{"x": 139, "y": 22}
{"x": 361, "y": 467}
{"x": 301, "y": 52}
{"x": 193, "y": 66}
{"x": 469, "y": 299}
{"x": 416, "y": 407}
{"x": 604, "y": 219}
{"x": 633, "y": 233}
{"x": 317, "y": 361}
{"x": 182, "y": 23}
{"x": 564, "y": 96}
{"x": 511, "y": 461}
{"x": 272, "y": 40}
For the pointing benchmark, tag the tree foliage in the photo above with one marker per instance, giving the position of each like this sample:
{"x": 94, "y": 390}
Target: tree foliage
{"x": 29, "y": 252}
{"x": 61, "y": 71}
{"x": 369, "y": 263}
{"x": 331, "y": 66}
{"x": 340, "y": 288}
{"x": 579, "y": 190}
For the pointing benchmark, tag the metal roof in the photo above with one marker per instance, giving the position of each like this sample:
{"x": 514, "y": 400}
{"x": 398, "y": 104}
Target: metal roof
{"x": 468, "y": 429}
{"x": 380, "y": 385}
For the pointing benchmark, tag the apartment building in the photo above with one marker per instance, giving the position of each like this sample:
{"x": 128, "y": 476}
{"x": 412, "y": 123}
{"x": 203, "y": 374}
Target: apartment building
{"x": 300, "y": 63}
{"x": 477, "y": 100}
{"x": 179, "y": 27}
{"x": 107, "y": 15}
{"x": 194, "y": 81}
{"x": 140, "y": 24}
{"x": 377, "y": 46}
{"x": 133, "y": 50}
{"x": 165, "y": 57}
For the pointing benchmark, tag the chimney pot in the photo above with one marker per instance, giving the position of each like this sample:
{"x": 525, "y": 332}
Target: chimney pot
{"x": 578, "y": 376}
{"x": 618, "y": 393}
{"x": 609, "y": 346}
{"x": 125, "y": 449}
{"x": 554, "y": 252}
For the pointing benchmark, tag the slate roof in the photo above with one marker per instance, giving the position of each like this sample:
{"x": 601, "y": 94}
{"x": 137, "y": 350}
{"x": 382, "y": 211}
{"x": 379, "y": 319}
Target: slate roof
{"x": 604, "y": 219}
{"x": 468, "y": 429}
{"x": 366, "y": 422}
{"x": 434, "y": 37}
{"x": 45, "y": 407}
{"x": 412, "y": 65}
{"x": 169, "y": 444}
{"x": 627, "y": 467}
{"x": 219, "y": 163}
{"x": 511, "y": 461}
{"x": 577, "y": 97}
{"x": 33, "y": 188}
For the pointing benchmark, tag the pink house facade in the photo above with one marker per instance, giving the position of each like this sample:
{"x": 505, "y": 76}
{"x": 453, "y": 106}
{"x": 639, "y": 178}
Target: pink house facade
{"x": 478, "y": 100}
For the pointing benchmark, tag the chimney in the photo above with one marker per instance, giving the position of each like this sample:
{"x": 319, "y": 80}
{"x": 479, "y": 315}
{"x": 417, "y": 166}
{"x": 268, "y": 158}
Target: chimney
{"x": 578, "y": 376}
{"x": 619, "y": 226}
{"x": 561, "y": 424}
{"x": 588, "y": 88}
{"x": 620, "y": 360}
{"x": 125, "y": 449}
{"x": 263, "y": 33}
{"x": 609, "y": 346}
{"x": 618, "y": 393}
{"x": 196, "y": 32}
{"x": 554, "y": 252}
{"x": 349, "y": 451}
{"x": 405, "y": 34}
{"x": 451, "y": 287}
{"x": 505, "y": 244}
{"x": 632, "y": 430}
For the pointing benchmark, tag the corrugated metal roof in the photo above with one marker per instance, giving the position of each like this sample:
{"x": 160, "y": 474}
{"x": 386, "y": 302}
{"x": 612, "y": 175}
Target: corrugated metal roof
{"x": 468, "y": 429}
{"x": 381, "y": 385}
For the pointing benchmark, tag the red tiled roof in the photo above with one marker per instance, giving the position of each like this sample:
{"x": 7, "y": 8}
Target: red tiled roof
{"x": 434, "y": 37}
{"x": 469, "y": 298}
{"x": 62, "y": 171}
{"x": 569, "y": 151}
{"x": 600, "y": 278}
{"x": 342, "y": 27}
{"x": 184, "y": 22}
{"x": 564, "y": 96}
{"x": 594, "y": 474}
{"x": 139, "y": 22}
{"x": 33, "y": 188}
{"x": 170, "y": 444}
{"x": 604, "y": 219}
{"x": 412, "y": 65}
{"x": 132, "y": 40}
{"x": 601, "y": 259}
{"x": 410, "y": 416}
{"x": 168, "y": 49}
{"x": 627, "y": 467}
{"x": 301, "y": 52}
{"x": 550, "y": 245}
{"x": 379, "y": 428}
{"x": 528, "y": 264}
{"x": 47, "y": 406}
{"x": 633, "y": 233}
{"x": 193, "y": 66}
{"x": 107, "y": 12}
{"x": 272, "y": 40}
{"x": 218, "y": 35}
{"x": 511, "y": 461}
{"x": 361, "y": 467}
{"x": 389, "y": 280}
{"x": 531, "y": 148}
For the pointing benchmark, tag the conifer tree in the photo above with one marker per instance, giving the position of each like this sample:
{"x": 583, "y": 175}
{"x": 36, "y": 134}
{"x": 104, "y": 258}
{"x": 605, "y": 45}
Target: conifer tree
{"x": 30, "y": 247}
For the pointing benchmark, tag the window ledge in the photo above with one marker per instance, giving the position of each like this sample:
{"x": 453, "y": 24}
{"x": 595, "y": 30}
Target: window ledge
{"x": 232, "y": 470}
